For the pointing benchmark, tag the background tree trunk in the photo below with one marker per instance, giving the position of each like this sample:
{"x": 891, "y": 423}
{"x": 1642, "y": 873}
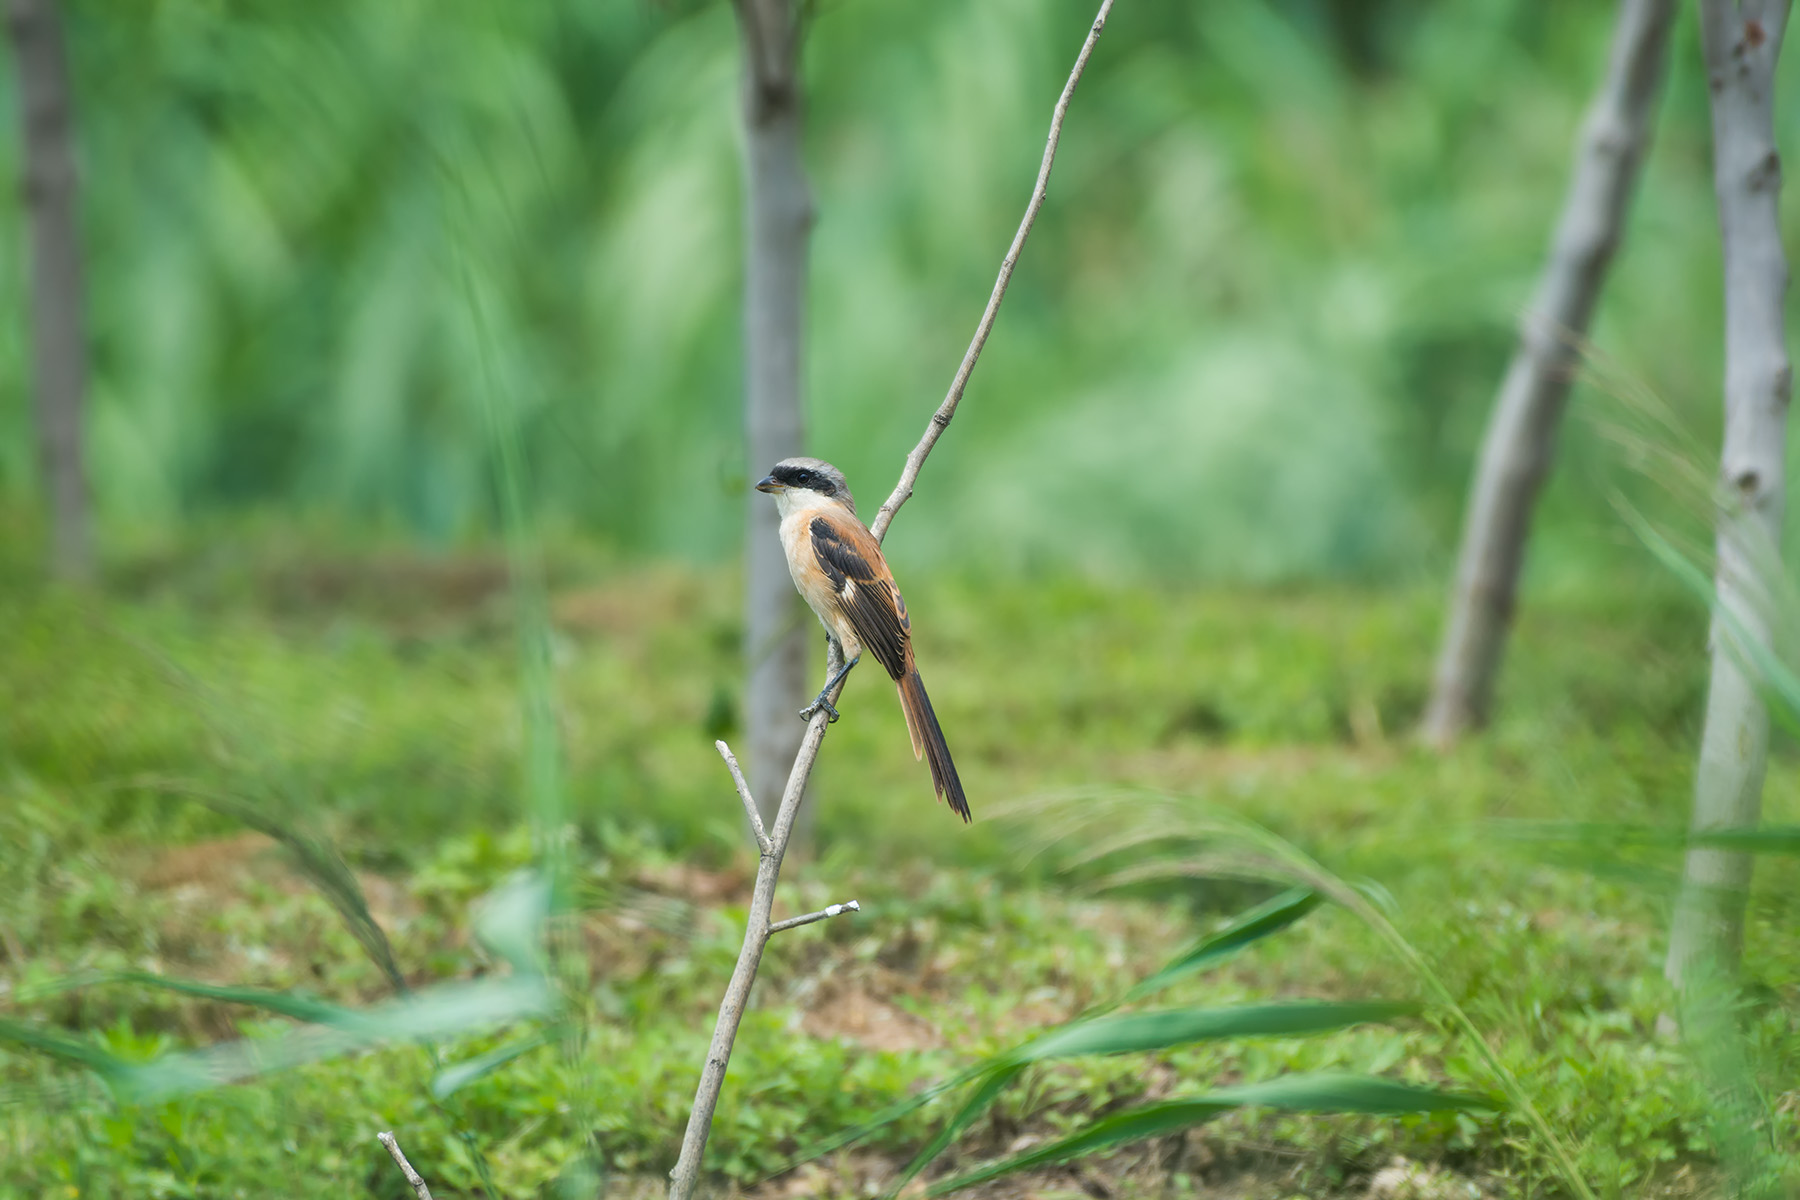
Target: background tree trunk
{"x": 58, "y": 339}
{"x": 779, "y": 215}
{"x": 1521, "y": 434}
{"x": 1742, "y": 43}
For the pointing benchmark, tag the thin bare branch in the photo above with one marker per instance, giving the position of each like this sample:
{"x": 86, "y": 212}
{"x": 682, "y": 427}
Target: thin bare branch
{"x": 809, "y": 918}
{"x": 685, "y": 1176}
{"x": 940, "y": 420}
{"x": 406, "y": 1168}
{"x": 743, "y": 791}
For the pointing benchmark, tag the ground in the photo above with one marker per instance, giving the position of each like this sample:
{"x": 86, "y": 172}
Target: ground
{"x": 373, "y": 700}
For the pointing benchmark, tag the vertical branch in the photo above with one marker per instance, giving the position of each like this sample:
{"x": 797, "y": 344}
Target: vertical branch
{"x": 778, "y": 212}
{"x": 1742, "y": 43}
{"x": 58, "y": 336}
{"x": 1521, "y": 434}
{"x": 685, "y": 1177}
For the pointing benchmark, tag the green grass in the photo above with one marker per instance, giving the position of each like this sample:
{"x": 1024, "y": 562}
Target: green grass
{"x": 375, "y": 699}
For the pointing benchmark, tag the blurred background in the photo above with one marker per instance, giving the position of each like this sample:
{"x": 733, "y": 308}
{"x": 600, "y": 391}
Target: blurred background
{"x": 1267, "y": 306}
{"x": 1191, "y": 531}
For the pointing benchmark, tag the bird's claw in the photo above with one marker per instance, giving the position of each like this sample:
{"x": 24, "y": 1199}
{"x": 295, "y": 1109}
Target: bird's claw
{"x": 819, "y": 701}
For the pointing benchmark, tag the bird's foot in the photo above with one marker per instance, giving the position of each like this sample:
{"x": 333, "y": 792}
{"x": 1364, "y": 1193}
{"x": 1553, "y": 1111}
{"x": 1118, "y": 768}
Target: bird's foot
{"x": 822, "y": 700}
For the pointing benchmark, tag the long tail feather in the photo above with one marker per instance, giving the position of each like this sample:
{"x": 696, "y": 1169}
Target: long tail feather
{"x": 922, "y": 724}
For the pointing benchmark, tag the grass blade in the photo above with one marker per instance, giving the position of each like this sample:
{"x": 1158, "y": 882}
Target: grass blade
{"x": 1267, "y": 918}
{"x": 432, "y": 1013}
{"x": 286, "y": 1004}
{"x": 886, "y": 1116}
{"x": 978, "y": 1102}
{"x": 1270, "y": 917}
{"x": 1322, "y": 1093}
{"x": 108, "y": 1066}
{"x": 1753, "y": 839}
{"x": 1178, "y": 1027}
{"x": 1762, "y": 663}
{"x": 314, "y": 856}
{"x": 459, "y": 1075}
{"x": 1140, "y": 1032}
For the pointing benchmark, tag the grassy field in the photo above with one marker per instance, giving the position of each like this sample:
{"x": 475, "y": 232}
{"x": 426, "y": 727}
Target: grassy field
{"x": 374, "y": 700}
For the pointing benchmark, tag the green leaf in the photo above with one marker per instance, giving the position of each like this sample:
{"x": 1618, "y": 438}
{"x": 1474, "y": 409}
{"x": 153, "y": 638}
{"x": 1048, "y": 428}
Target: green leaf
{"x": 461, "y": 1074}
{"x": 983, "y": 1097}
{"x": 1138, "y": 1032}
{"x": 1145, "y": 1030}
{"x": 1177, "y": 1027}
{"x": 1775, "y": 675}
{"x": 1322, "y": 1093}
{"x": 286, "y": 1004}
{"x": 1267, "y": 918}
{"x": 887, "y": 1116}
{"x": 314, "y": 856}
{"x": 74, "y": 1050}
{"x": 510, "y": 920}
{"x": 433, "y": 1013}
{"x": 1752, "y": 839}
{"x": 1339, "y": 1092}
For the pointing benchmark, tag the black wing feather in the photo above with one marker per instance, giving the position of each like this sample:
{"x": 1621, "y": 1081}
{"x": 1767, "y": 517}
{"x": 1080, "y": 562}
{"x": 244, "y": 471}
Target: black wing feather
{"x": 869, "y": 600}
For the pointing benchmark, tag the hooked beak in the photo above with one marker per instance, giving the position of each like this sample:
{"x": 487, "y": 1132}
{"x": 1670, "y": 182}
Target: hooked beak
{"x": 767, "y": 484}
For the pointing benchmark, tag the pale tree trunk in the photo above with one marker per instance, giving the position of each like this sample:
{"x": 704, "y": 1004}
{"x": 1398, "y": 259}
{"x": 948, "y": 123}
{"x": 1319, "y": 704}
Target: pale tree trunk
{"x": 778, "y": 211}
{"x": 58, "y": 340}
{"x": 1742, "y": 43}
{"x": 1521, "y": 434}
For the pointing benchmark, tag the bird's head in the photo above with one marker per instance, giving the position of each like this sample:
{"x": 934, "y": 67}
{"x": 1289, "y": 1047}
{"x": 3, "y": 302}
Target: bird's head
{"x": 806, "y": 483}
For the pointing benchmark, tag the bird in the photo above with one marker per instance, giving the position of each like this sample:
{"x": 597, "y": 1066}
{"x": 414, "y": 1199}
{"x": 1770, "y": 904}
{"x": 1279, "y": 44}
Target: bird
{"x": 839, "y": 571}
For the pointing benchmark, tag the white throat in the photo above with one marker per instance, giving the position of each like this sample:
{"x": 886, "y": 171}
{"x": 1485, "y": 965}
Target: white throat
{"x": 789, "y": 501}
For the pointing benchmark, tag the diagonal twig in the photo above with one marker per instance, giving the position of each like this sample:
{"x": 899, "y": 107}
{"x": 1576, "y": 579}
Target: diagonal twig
{"x": 406, "y": 1168}
{"x": 743, "y": 791}
{"x": 940, "y": 420}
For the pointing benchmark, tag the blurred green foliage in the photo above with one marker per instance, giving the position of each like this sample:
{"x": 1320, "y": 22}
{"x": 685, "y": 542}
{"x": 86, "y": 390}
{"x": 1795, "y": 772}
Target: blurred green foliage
{"x": 1254, "y": 335}
{"x": 393, "y": 723}
{"x": 333, "y": 246}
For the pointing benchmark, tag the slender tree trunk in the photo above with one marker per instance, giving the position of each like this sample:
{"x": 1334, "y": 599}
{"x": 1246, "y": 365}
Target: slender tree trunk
{"x": 58, "y": 340}
{"x": 778, "y": 222}
{"x": 1521, "y": 434}
{"x": 1742, "y": 42}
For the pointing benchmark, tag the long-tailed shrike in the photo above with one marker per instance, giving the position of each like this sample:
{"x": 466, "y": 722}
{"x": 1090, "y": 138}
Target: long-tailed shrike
{"x": 837, "y": 566}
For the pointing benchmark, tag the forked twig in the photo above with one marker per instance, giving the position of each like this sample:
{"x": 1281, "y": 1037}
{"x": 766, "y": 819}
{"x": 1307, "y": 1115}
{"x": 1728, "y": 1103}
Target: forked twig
{"x": 774, "y": 842}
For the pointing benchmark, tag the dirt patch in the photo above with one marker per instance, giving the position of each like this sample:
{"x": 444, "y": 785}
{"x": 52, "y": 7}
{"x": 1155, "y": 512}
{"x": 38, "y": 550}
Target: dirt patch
{"x": 205, "y": 864}
{"x": 852, "y": 1015}
{"x": 647, "y": 600}
{"x": 388, "y": 587}
{"x": 695, "y": 885}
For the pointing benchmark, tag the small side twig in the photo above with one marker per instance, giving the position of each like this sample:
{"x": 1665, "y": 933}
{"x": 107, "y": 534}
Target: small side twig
{"x": 743, "y": 791}
{"x": 809, "y": 918}
{"x": 940, "y": 420}
{"x": 406, "y": 1168}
